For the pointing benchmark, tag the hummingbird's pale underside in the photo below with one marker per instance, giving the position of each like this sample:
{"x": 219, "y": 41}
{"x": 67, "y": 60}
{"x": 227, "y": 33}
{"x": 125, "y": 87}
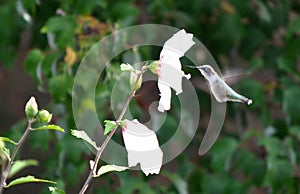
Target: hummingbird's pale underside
{"x": 219, "y": 88}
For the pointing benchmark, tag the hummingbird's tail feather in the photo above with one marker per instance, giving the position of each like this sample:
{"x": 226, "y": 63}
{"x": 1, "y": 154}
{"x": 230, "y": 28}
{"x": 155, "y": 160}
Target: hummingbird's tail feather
{"x": 246, "y": 100}
{"x": 239, "y": 98}
{"x": 249, "y": 101}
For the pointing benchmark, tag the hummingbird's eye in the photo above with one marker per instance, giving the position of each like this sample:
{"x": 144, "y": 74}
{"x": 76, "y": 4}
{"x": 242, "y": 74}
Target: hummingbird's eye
{"x": 207, "y": 70}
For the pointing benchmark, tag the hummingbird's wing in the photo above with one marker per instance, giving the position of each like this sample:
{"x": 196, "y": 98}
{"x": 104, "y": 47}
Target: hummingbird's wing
{"x": 234, "y": 76}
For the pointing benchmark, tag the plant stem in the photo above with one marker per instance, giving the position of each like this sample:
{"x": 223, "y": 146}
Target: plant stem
{"x": 104, "y": 144}
{"x": 12, "y": 158}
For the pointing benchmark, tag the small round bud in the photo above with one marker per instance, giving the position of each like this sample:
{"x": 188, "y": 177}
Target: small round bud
{"x": 154, "y": 67}
{"x": 44, "y": 116}
{"x": 31, "y": 108}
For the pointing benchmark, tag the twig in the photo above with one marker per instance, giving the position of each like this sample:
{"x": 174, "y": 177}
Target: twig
{"x": 104, "y": 144}
{"x": 9, "y": 165}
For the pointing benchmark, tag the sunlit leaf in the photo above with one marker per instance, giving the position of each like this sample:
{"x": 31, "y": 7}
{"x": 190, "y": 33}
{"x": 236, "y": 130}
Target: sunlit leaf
{"x": 126, "y": 67}
{"x": 82, "y": 135}
{"x": 109, "y": 168}
{"x": 49, "y": 127}
{"x": 21, "y": 164}
{"x": 8, "y": 140}
{"x": 28, "y": 179}
{"x": 109, "y": 125}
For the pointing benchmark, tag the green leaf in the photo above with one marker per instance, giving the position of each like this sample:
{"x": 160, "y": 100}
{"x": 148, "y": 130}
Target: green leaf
{"x": 286, "y": 63}
{"x": 291, "y": 103}
{"x": 126, "y": 67}
{"x": 232, "y": 28}
{"x": 273, "y": 146}
{"x": 28, "y": 179}
{"x": 33, "y": 59}
{"x": 292, "y": 28}
{"x": 63, "y": 29}
{"x": 252, "y": 167}
{"x": 256, "y": 92}
{"x": 109, "y": 125}
{"x": 82, "y": 135}
{"x": 221, "y": 153}
{"x": 21, "y": 164}
{"x": 295, "y": 131}
{"x": 280, "y": 175}
{"x": 49, "y": 127}
{"x": 60, "y": 86}
{"x": 8, "y": 140}
{"x": 109, "y": 168}
{"x": 6, "y": 152}
{"x": 122, "y": 124}
{"x": 263, "y": 12}
{"x": 55, "y": 190}
{"x": 178, "y": 181}
{"x": 128, "y": 11}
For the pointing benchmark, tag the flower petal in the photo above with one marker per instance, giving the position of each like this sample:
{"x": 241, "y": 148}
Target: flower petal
{"x": 142, "y": 146}
{"x": 170, "y": 73}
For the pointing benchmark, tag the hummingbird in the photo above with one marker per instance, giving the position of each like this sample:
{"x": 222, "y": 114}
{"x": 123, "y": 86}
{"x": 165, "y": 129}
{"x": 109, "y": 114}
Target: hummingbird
{"x": 219, "y": 88}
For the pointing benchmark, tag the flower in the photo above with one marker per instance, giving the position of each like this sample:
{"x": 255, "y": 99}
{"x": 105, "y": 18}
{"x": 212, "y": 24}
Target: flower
{"x": 142, "y": 146}
{"x": 170, "y": 73}
{"x": 31, "y": 108}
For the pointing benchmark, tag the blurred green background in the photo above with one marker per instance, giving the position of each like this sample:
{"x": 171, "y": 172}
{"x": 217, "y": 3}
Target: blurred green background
{"x": 42, "y": 43}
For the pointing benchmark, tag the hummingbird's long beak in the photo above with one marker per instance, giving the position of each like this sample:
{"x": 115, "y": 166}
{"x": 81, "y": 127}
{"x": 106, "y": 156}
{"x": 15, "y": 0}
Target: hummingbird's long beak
{"x": 194, "y": 67}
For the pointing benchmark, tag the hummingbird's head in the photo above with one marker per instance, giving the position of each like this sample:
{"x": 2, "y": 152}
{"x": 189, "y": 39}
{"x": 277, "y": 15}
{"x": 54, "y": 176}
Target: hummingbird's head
{"x": 207, "y": 71}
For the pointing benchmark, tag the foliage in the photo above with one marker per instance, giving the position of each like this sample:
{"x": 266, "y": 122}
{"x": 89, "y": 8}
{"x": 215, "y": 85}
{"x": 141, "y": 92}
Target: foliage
{"x": 258, "y": 148}
{"x": 10, "y": 166}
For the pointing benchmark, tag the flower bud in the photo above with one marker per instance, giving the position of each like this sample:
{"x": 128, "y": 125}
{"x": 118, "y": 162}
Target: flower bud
{"x": 31, "y": 108}
{"x": 44, "y": 116}
{"x": 154, "y": 67}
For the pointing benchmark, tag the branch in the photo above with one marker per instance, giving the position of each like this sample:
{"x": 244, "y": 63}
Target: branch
{"x": 104, "y": 144}
{"x": 9, "y": 165}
